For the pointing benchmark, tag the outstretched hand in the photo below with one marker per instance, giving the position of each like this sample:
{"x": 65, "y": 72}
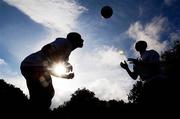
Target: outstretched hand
{"x": 70, "y": 76}
{"x": 124, "y": 65}
{"x": 69, "y": 68}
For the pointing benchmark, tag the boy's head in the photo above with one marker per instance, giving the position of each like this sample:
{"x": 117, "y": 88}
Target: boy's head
{"x": 141, "y": 46}
{"x": 75, "y": 39}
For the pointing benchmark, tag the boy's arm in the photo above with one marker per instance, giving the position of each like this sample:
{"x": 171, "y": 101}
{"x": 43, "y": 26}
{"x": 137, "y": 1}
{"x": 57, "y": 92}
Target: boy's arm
{"x": 133, "y": 74}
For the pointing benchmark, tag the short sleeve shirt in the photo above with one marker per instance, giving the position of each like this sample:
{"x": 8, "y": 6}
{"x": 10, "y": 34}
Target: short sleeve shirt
{"x": 62, "y": 50}
{"x": 146, "y": 72}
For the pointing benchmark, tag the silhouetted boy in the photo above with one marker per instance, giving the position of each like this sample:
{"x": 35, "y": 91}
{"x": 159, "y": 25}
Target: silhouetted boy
{"x": 147, "y": 66}
{"x": 37, "y": 68}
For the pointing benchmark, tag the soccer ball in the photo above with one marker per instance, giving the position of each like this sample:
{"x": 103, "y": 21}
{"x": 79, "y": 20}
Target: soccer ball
{"x": 106, "y": 12}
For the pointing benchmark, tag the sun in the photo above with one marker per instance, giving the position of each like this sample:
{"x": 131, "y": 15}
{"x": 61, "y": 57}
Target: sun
{"x": 59, "y": 69}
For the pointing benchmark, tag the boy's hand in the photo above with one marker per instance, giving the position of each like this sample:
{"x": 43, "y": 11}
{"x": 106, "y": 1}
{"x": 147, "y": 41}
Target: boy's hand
{"x": 69, "y": 68}
{"x": 70, "y": 76}
{"x": 124, "y": 65}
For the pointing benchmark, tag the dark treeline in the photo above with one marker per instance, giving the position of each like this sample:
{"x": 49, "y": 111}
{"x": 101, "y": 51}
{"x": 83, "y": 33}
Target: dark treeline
{"x": 158, "y": 97}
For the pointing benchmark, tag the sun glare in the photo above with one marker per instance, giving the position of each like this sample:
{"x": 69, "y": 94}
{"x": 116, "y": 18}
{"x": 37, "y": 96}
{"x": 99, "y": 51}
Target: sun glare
{"x": 59, "y": 69}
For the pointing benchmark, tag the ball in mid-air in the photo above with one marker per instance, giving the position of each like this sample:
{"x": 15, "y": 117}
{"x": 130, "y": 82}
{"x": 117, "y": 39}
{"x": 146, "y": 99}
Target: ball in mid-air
{"x": 106, "y": 12}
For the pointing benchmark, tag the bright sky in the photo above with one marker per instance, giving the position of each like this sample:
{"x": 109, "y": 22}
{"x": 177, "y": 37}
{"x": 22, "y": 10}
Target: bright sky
{"x": 27, "y": 25}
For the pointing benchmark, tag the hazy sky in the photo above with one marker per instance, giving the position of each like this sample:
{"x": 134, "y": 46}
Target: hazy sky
{"x": 27, "y": 25}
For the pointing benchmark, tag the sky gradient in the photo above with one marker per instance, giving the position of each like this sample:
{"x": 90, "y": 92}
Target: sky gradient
{"x": 25, "y": 26}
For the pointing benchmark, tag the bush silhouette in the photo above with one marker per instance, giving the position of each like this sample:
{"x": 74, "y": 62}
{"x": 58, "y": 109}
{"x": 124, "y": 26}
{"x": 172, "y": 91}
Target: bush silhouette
{"x": 12, "y": 100}
{"x": 83, "y": 102}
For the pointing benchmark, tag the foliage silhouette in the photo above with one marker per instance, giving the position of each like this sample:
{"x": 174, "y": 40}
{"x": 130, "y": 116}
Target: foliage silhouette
{"x": 83, "y": 102}
{"x": 171, "y": 63}
{"x": 12, "y": 100}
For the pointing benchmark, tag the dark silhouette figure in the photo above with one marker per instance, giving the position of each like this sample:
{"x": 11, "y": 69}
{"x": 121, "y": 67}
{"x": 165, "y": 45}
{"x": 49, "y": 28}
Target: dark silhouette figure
{"x": 147, "y": 66}
{"x": 37, "y": 69}
{"x": 165, "y": 91}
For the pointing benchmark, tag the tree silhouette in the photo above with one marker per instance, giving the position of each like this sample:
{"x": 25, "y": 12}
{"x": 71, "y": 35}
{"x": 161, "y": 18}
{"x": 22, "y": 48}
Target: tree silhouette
{"x": 14, "y": 103}
{"x": 136, "y": 94}
{"x": 12, "y": 100}
{"x": 83, "y": 102}
{"x": 171, "y": 63}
